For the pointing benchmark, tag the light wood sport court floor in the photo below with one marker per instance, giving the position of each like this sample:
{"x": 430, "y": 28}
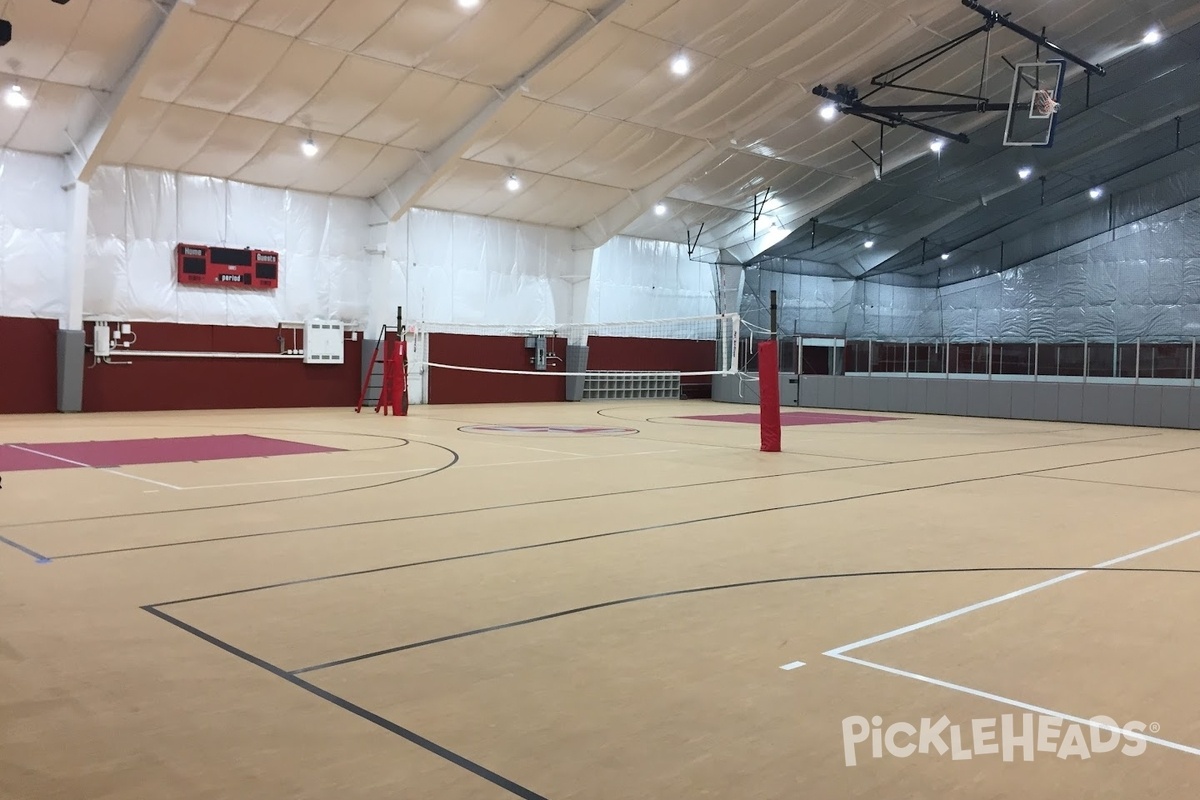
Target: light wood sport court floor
{"x": 426, "y": 611}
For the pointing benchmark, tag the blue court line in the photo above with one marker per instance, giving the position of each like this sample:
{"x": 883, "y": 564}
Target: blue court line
{"x": 35, "y": 555}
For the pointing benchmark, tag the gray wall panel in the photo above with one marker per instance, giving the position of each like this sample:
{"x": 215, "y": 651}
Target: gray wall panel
{"x": 1194, "y": 411}
{"x": 1175, "y": 401}
{"x": 897, "y": 395}
{"x": 789, "y": 390}
{"x": 918, "y": 396}
{"x": 843, "y": 392}
{"x": 979, "y": 398}
{"x": 1120, "y": 404}
{"x": 1148, "y": 405}
{"x": 817, "y": 391}
{"x": 1070, "y": 402}
{"x": 827, "y": 391}
{"x": 1022, "y": 401}
{"x": 1095, "y": 404}
{"x": 956, "y": 398}
{"x": 860, "y": 393}
{"x": 935, "y": 402}
{"x": 878, "y": 395}
{"x": 1000, "y": 400}
{"x": 1045, "y": 401}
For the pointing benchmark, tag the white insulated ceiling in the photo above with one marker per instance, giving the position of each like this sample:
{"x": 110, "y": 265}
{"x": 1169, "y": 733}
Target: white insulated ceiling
{"x": 235, "y": 86}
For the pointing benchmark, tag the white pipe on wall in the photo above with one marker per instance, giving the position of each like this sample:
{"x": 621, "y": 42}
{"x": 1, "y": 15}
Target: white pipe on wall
{"x": 198, "y": 354}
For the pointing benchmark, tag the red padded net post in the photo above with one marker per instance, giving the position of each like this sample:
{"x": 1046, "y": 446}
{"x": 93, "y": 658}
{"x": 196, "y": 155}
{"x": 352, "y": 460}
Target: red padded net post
{"x": 768, "y": 397}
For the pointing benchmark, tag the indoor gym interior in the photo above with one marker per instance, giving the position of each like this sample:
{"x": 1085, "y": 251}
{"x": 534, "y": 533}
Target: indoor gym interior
{"x": 734, "y": 418}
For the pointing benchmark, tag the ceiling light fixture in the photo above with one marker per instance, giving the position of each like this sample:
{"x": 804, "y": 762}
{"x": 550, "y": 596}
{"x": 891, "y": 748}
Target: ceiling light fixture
{"x": 309, "y": 148}
{"x": 937, "y": 145}
{"x": 869, "y": 243}
{"x": 15, "y": 97}
{"x": 513, "y": 184}
{"x": 1153, "y": 36}
{"x": 1096, "y": 193}
{"x": 680, "y": 65}
{"x": 828, "y": 112}
{"x": 945, "y": 256}
{"x": 661, "y": 209}
{"x": 1025, "y": 173}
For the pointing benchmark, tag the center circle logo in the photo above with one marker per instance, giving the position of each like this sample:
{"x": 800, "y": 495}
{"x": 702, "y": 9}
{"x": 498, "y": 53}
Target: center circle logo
{"x": 548, "y": 430}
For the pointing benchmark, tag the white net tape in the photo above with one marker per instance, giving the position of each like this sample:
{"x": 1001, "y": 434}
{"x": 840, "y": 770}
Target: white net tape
{"x": 667, "y": 345}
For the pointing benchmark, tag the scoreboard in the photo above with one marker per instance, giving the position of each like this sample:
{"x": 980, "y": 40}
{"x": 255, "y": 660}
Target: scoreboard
{"x": 200, "y": 265}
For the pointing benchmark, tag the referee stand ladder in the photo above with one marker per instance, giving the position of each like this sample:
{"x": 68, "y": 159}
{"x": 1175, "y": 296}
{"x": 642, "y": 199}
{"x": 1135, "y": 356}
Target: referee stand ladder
{"x": 386, "y": 374}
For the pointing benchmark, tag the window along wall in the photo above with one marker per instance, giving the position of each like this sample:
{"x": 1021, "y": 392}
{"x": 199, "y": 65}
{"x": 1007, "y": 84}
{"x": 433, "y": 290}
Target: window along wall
{"x": 1124, "y": 361}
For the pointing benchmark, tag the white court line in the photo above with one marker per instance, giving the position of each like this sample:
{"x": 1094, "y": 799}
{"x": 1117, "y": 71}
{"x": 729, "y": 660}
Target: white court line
{"x": 1046, "y": 712}
{"x": 792, "y": 666}
{"x": 1010, "y": 596}
{"x": 89, "y": 466}
{"x": 839, "y": 652}
{"x": 309, "y": 480}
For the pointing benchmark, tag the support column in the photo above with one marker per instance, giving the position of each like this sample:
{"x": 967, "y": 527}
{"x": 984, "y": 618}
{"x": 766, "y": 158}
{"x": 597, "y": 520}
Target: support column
{"x": 71, "y": 350}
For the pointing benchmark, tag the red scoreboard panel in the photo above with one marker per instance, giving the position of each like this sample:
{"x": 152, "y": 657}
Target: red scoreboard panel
{"x": 199, "y": 265}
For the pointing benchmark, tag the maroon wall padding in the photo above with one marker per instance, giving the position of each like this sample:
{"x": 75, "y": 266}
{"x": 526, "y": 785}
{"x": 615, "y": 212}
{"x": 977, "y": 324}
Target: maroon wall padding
{"x": 656, "y": 355}
{"x": 28, "y": 366}
{"x": 174, "y": 384}
{"x": 447, "y": 386}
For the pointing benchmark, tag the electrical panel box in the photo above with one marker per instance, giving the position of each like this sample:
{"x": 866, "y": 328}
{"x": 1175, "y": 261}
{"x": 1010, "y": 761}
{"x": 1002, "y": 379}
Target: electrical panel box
{"x": 324, "y": 342}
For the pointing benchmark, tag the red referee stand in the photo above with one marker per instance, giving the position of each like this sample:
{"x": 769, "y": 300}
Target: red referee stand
{"x": 393, "y": 388}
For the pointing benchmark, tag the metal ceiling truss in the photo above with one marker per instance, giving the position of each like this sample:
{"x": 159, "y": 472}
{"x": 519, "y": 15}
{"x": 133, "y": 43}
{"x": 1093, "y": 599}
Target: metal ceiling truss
{"x": 847, "y": 99}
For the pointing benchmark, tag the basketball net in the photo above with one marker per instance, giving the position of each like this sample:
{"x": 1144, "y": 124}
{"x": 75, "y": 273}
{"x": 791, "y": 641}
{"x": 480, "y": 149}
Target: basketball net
{"x": 1044, "y": 103}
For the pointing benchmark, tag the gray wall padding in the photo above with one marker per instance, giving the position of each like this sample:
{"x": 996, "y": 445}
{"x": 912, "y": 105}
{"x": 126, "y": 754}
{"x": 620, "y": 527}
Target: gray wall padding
{"x": 1143, "y": 405}
{"x": 71, "y": 352}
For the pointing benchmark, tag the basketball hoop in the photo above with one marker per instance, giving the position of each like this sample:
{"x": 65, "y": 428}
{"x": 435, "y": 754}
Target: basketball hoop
{"x": 1044, "y": 104}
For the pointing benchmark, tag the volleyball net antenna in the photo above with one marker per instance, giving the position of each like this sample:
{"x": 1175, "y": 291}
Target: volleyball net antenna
{"x": 687, "y": 346}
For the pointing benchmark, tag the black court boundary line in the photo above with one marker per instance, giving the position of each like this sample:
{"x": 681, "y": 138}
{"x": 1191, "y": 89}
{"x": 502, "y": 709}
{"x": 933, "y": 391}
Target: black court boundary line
{"x": 533, "y": 433}
{"x": 721, "y": 587}
{"x": 603, "y": 495}
{"x": 1117, "y": 483}
{"x": 420, "y": 741}
{"x": 433, "y": 471}
{"x": 643, "y": 529}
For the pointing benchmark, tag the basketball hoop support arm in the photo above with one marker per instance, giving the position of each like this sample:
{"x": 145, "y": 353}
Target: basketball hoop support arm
{"x": 848, "y": 101}
{"x": 997, "y": 18}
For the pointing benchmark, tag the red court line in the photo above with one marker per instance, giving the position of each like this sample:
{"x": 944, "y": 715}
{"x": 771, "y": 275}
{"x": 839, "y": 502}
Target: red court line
{"x": 794, "y": 418}
{"x": 130, "y": 452}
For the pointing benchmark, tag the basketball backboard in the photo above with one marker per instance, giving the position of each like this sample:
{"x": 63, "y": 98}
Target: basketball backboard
{"x": 1033, "y": 108}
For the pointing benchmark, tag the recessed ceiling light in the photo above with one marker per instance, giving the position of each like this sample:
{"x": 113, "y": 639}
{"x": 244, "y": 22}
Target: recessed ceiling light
{"x": 309, "y": 148}
{"x": 1153, "y": 36}
{"x": 660, "y": 209}
{"x": 828, "y": 112}
{"x": 945, "y": 256}
{"x": 15, "y": 97}
{"x": 937, "y": 145}
{"x": 513, "y": 184}
{"x": 468, "y": 4}
{"x": 680, "y": 65}
{"x": 1096, "y": 193}
{"x": 1024, "y": 173}
{"x": 869, "y": 243}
